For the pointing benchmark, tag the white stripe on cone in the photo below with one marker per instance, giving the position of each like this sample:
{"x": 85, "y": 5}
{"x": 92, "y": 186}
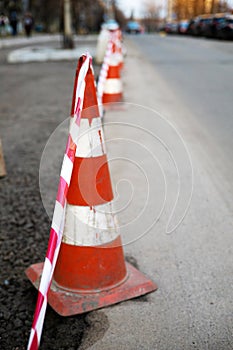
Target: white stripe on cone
{"x": 113, "y": 86}
{"x": 85, "y": 226}
{"x": 91, "y": 139}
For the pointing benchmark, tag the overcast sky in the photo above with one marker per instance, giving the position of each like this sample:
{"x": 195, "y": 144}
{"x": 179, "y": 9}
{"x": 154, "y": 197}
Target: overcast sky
{"x": 128, "y": 5}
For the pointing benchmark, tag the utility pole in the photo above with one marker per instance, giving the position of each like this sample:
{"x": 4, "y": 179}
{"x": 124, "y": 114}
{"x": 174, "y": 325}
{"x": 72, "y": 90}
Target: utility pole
{"x": 68, "y": 42}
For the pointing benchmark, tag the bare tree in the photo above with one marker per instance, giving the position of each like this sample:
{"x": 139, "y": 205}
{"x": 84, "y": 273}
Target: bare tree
{"x": 87, "y": 15}
{"x": 118, "y": 14}
{"x": 151, "y": 15}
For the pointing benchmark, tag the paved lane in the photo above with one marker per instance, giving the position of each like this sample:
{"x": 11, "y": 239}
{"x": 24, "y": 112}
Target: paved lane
{"x": 199, "y": 73}
{"x": 188, "y": 82}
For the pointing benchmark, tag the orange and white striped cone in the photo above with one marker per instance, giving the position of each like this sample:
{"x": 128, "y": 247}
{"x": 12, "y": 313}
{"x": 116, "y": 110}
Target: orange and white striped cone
{"x": 90, "y": 272}
{"x": 113, "y": 89}
{"x": 2, "y": 162}
{"x": 89, "y": 225}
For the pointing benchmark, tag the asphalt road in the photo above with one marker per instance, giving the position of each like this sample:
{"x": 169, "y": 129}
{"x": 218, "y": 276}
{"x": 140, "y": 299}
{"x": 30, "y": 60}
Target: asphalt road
{"x": 181, "y": 127}
{"x": 169, "y": 149}
{"x": 199, "y": 72}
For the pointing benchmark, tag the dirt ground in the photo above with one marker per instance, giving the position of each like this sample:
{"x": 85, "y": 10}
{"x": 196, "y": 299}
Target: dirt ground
{"x": 34, "y": 99}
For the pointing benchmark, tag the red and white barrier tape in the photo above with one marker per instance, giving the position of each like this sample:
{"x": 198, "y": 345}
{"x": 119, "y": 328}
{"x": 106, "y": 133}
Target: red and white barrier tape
{"x": 57, "y": 226}
{"x": 117, "y": 39}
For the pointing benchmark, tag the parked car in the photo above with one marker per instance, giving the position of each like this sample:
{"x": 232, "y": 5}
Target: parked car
{"x": 201, "y": 25}
{"x": 171, "y": 27}
{"x": 167, "y": 27}
{"x": 183, "y": 27}
{"x": 191, "y": 26}
{"x": 133, "y": 27}
{"x": 225, "y": 29}
{"x": 216, "y": 21}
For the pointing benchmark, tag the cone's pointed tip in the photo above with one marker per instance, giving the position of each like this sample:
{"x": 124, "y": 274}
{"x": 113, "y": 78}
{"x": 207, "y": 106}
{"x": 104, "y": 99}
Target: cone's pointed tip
{"x": 85, "y": 56}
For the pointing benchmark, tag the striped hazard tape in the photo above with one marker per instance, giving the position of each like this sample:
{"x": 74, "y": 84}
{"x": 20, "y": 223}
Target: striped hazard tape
{"x": 57, "y": 226}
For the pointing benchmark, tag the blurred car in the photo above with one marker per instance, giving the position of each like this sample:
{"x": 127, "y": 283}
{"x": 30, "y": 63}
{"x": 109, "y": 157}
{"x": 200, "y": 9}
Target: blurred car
{"x": 202, "y": 24}
{"x": 167, "y": 27}
{"x": 225, "y": 29}
{"x": 183, "y": 27}
{"x": 133, "y": 27}
{"x": 191, "y": 26}
{"x": 171, "y": 28}
{"x": 216, "y": 21}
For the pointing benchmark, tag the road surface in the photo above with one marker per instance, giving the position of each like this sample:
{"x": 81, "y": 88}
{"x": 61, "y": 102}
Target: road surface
{"x": 199, "y": 73}
{"x": 171, "y": 142}
{"x": 182, "y": 86}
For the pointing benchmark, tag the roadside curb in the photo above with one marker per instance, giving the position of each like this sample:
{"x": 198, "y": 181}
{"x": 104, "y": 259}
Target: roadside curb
{"x": 44, "y": 54}
{"x": 8, "y": 42}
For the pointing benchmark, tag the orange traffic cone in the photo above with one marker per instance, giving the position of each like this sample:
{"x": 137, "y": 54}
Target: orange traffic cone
{"x": 90, "y": 272}
{"x": 113, "y": 90}
{"x": 2, "y": 162}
